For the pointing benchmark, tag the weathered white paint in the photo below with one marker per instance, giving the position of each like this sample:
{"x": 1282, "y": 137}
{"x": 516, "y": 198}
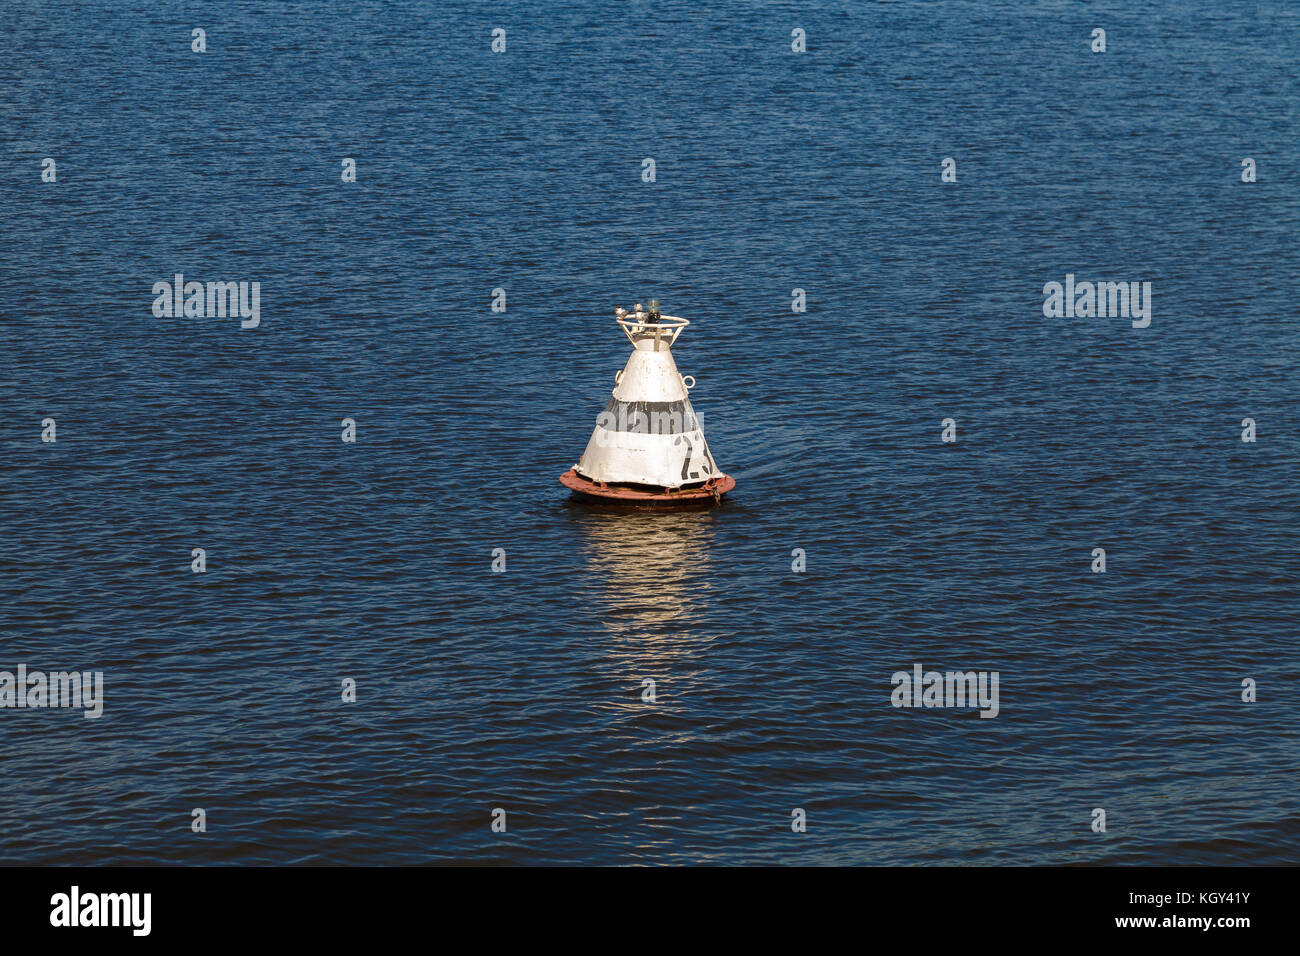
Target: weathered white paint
{"x": 622, "y": 457}
{"x": 650, "y": 376}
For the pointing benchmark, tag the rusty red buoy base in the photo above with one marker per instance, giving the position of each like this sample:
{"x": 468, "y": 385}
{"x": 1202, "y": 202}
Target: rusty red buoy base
{"x": 697, "y": 496}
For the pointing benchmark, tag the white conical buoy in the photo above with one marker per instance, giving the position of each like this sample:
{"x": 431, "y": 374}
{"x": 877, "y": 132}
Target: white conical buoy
{"x": 647, "y": 447}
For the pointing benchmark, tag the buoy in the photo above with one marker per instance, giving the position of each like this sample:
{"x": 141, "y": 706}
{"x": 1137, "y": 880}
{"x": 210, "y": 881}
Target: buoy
{"x": 648, "y": 448}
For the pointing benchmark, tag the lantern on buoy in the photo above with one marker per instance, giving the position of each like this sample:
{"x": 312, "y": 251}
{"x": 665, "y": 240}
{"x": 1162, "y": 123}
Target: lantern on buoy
{"x": 648, "y": 448}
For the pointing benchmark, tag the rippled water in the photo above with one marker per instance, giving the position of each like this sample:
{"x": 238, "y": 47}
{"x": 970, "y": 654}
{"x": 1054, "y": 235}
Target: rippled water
{"x": 522, "y": 690}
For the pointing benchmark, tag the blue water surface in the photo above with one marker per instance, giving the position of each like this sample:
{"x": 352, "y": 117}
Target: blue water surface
{"x": 522, "y": 690}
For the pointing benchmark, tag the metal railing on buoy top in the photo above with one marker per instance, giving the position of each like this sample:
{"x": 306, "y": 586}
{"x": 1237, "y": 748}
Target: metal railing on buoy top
{"x": 638, "y": 325}
{"x": 648, "y": 447}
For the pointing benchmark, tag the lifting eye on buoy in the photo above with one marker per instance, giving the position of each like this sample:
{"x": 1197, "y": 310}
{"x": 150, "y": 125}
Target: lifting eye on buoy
{"x": 689, "y": 385}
